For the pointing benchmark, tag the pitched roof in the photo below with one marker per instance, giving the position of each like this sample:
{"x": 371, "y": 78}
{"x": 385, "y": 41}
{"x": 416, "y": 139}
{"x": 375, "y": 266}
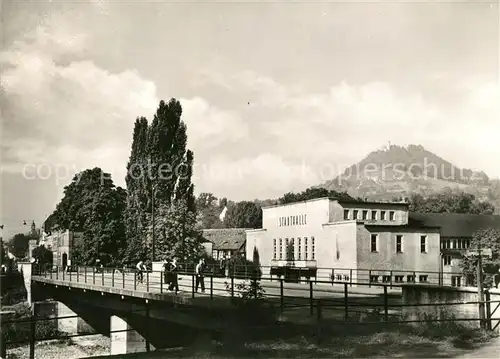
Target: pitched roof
{"x": 455, "y": 224}
{"x": 226, "y": 238}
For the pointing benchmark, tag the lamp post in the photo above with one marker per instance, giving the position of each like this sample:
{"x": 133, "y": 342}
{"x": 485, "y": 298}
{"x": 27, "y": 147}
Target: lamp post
{"x": 153, "y": 188}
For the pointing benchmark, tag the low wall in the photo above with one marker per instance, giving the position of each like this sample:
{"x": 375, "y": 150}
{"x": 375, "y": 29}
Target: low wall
{"x": 425, "y": 302}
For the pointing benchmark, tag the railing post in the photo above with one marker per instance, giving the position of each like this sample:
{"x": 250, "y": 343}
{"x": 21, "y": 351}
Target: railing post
{"x": 391, "y": 278}
{"x": 63, "y": 270}
{"x": 77, "y": 274}
{"x": 70, "y": 271}
{"x": 57, "y": 272}
{"x": 147, "y": 281}
{"x": 414, "y": 277}
{"x": 148, "y": 348}
{"x": 346, "y": 302}
{"x": 350, "y": 277}
{"x": 487, "y": 299}
{"x": 232, "y": 286}
{"x": 161, "y": 282}
{"x": 136, "y": 278}
{"x": 85, "y": 273}
{"x": 123, "y": 278}
{"x": 319, "y": 317}
{"x": 112, "y": 278}
{"x": 32, "y": 332}
{"x": 192, "y": 286}
{"x": 386, "y": 305}
{"x": 369, "y": 278}
{"x": 93, "y": 275}
{"x": 211, "y": 287}
{"x": 311, "y": 304}
{"x": 102, "y": 277}
{"x": 282, "y": 299}
{"x": 333, "y": 276}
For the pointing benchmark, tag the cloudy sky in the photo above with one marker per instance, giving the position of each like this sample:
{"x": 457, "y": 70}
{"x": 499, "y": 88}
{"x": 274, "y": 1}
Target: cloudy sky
{"x": 273, "y": 93}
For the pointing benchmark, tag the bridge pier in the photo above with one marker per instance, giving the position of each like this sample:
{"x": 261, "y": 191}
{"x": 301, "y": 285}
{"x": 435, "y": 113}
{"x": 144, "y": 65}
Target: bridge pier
{"x": 125, "y": 339}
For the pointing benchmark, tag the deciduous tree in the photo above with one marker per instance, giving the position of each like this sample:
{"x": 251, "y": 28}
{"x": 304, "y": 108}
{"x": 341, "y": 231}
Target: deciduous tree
{"x": 487, "y": 238}
{"x": 159, "y": 166}
{"x": 243, "y": 214}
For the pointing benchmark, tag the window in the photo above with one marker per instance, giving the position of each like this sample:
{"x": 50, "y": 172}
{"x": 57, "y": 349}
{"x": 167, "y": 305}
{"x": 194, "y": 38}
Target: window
{"x": 281, "y": 248}
{"x": 374, "y": 215}
{"x": 423, "y": 244}
{"x": 355, "y": 214}
{"x": 306, "y": 257}
{"x": 391, "y": 215}
{"x": 305, "y": 218}
{"x": 299, "y": 249}
{"x": 445, "y": 244}
{"x": 454, "y": 244}
{"x": 398, "y": 278}
{"x": 423, "y": 278}
{"x": 374, "y": 240}
{"x": 346, "y": 277}
{"x": 456, "y": 281}
{"x": 313, "y": 251}
{"x": 292, "y": 249}
{"x": 339, "y": 277}
{"x": 274, "y": 248}
{"x": 346, "y": 214}
{"x": 365, "y": 215}
{"x": 382, "y": 215}
{"x": 467, "y": 243}
{"x": 399, "y": 243}
{"x": 373, "y": 278}
{"x": 386, "y": 279}
{"x": 447, "y": 260}
{"x": 410, "y": 278}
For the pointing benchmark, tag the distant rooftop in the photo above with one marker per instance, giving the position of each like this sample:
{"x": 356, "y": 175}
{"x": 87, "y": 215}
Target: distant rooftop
{"x": 346, "y": 201}
{"x": 226, "y": 238}
{"x": 455, "y": 224}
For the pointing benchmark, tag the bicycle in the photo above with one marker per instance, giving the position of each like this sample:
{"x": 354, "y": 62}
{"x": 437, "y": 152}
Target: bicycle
{"x": 139, "y": 278}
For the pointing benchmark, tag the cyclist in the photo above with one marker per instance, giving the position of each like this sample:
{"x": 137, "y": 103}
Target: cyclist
{"x": 141, "y": 268}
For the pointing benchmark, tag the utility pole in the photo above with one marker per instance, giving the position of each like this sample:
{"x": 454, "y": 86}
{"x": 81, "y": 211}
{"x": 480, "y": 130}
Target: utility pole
{"x": 153, "y": 219}
{"x": 480, "y": 290}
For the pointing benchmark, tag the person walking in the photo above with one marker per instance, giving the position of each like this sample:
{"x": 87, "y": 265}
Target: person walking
{"x": 200, "y": 276}
{"x": 174, "y": 280}
{"x": 141, "y": 268}
{"x": 166, "y": 273}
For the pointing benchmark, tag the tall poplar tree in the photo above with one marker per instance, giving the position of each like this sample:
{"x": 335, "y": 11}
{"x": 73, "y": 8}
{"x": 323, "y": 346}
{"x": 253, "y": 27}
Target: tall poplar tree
{"x": 160, "y": 166}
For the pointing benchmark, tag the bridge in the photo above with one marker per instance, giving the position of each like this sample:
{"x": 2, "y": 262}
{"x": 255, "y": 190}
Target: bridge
{"x": 143, "y": 316}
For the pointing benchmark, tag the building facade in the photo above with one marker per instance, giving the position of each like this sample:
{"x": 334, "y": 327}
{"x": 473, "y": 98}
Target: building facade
{"x": 346, "y": 241}
{"x": 62, "y": 244}
{"x": 229, "y": 242}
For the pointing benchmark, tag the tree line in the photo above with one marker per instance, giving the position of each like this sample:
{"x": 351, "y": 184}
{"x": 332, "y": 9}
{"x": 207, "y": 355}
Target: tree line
{"x": 117, "y": 224}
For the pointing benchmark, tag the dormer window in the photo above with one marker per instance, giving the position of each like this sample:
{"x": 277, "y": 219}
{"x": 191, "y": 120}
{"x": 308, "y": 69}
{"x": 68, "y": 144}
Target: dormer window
{"x": 391, "y": 215}
{"x": 382, "y": 215}
{"x": 355, "y": 214}
{"x": 346, "y": 214}
{"x": 365, "y": 215}
{"x": 374, "y": 215}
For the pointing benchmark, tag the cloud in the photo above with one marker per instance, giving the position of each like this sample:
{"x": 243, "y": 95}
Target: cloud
{"x": 61, "y": 109}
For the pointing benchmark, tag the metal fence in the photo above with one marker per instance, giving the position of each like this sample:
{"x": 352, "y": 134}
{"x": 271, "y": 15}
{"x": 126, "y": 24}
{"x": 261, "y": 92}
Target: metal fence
{"x": 321, "y": 302}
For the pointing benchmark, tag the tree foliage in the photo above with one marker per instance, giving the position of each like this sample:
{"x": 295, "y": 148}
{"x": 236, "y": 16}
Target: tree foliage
{"x": 208, "y": 209}
{"x": 42, "y": 256}
{"x": 243, "y": 214}
{"x": 158, "y": 178}
{"x": 451, "y": 202}
{"x": 175, "y": 233}
{"x": 487, "y": 238}
{"x": 312, "y": 193}
{"x": 94, "y": 206}
{"x": 19, "y": 245}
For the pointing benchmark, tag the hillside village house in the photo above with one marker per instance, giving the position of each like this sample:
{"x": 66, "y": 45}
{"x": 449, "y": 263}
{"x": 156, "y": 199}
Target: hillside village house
{"x": 226, "y": 241}
{"x": 361, "y": 241}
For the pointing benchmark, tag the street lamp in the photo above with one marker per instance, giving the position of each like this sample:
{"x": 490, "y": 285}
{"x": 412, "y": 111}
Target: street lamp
{"x": 153, "y": 189}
